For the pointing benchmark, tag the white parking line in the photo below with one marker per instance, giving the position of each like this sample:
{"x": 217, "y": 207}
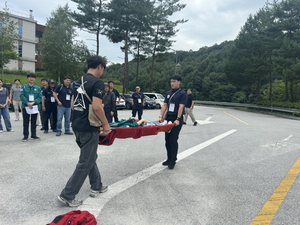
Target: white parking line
{"x": 95, "y": 205}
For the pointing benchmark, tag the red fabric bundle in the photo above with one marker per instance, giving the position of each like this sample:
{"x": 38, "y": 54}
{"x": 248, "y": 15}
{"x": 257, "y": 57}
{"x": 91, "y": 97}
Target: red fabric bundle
{"x": 133, "y": 132}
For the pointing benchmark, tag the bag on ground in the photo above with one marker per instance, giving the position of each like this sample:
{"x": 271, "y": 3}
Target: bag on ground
{"x": 75, "y": 217}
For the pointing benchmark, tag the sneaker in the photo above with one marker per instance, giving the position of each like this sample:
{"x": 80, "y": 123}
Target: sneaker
{"x": 195, "y": 124}
{"x": 36, "y": 138}
{"x": 69, "y": 133}
{"x": 1, "y": 131}
{"x": 45, "y": 131}
{"x": 25, "y": 139}
{"x": 165, "y": 163}
{"x": 184, "y": 123}
{"x": 71, "y": 203}
{"x": 95, "y": 193}
{"x": 11, "y": 130}
{"x": 171, "y": 165}
{"x": 54, "y": 130}
{"x": 58, "y": 134}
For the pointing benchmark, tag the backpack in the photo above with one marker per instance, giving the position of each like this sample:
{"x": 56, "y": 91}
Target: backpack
{"x": 75, "y": 217}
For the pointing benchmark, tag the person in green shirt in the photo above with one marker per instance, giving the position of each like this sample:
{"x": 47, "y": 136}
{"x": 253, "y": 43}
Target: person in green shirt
{"x": 31, "y": 97}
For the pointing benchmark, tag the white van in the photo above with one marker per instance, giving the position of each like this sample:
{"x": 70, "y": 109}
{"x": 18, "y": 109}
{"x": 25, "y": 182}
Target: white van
{"x": 158, "y": 98}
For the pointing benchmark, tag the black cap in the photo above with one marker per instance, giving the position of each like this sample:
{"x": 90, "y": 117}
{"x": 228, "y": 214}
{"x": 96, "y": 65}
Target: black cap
{"x": 51, "y": 81}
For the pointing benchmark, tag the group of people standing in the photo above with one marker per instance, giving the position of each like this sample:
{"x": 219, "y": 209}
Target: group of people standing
{"x": 90, "y": 90}
{"x": 51, "y": 101}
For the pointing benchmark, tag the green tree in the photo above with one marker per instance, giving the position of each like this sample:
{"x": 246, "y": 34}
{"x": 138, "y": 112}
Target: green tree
{"x": 163, "y": 29}
{"x": 90, "y": 18}
{"x": 287, "y": 17}
{"x": 62, "y": 55}
{"x": 122, "y": 20}
{"x": 8, "y": 37}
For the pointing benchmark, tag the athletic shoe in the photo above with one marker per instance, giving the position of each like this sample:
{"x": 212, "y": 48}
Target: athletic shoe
{"x": 95, "y": 193}
{"x": 11, "y": 130}
{"x": 195, "y": 124}
{"x": 45, "y": 131}
{"x": 71, "y": 203}
{"x": 1, "y": 131}
{"x": 25, "y": 139}
{"x": 58, "y": 134}
{"x": 69, "y": 133}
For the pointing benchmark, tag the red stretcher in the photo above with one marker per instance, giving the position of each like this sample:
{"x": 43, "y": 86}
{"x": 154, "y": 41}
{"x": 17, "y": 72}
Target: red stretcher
{"x": 133, "y": 132}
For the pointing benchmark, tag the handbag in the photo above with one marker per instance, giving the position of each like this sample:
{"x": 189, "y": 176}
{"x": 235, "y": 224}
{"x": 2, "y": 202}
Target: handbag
{"x": 93, "y": 119}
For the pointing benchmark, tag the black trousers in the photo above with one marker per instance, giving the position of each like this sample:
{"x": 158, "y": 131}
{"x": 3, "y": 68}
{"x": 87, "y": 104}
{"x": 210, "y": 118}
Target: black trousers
{"x": 116, "y": 115}
{"x": 171, "y": 139}
{"x": 43, "y": 116}
{"x": 108, "y": 116}
{"x": 137, "y": 109}
{"x": 86, "y": 166}
{"x": 51, "y": 109}
{"x": 26, "y": 118}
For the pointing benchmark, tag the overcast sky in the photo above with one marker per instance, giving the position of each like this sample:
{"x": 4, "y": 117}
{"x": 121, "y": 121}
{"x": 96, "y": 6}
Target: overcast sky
{"x": 209, "y": 22}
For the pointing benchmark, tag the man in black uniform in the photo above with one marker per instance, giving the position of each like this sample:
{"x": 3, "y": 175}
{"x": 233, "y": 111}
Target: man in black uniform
{"x": 42, "y": 113}
{"x": 174, "y": 104}
{"x": 49, "y": 105}
{"x": 87, "y": 136}
{"x": 109, "y": 102}
{"x": 137, "y": 101}
{"x": 117, "y": 99}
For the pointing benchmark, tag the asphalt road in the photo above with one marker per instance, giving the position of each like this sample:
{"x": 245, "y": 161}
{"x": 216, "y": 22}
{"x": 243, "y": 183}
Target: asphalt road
{"x": 228, "y": 167}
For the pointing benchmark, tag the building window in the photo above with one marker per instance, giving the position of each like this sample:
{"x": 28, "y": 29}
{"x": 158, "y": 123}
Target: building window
{"x": 20, "y": 31}
{"x": 20, "y": 50}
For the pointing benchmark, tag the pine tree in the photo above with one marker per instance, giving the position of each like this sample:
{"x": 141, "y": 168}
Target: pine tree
{"x": 90, "y": 18}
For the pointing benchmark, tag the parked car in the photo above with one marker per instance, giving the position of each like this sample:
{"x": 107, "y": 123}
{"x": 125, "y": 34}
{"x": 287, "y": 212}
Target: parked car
{"x": 149, "y": 103}
{"x": 122, "y": 104}
{"x": 158, "y": 98}
{"x": 127, "y": 98}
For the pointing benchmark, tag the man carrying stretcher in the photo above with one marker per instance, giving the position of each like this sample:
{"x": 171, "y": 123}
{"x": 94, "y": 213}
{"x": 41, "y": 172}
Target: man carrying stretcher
{"x": 173, "y": 108}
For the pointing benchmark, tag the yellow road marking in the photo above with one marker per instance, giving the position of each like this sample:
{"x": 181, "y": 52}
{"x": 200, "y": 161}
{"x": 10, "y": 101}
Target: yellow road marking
{"x": 268, "y": 211}
{"x": 235, "y": 118}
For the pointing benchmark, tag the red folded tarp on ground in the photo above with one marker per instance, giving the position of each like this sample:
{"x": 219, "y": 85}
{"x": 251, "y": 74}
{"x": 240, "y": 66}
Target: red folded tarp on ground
{"x": 134, "y": 132}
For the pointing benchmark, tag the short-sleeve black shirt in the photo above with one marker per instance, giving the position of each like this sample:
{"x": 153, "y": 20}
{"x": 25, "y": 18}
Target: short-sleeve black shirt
{"x": 48, "y": 93}
{"x": 189, "y": 101}
{"x": 136, "y": 96}
{"x": 117, "y": 94}
{"x": 179, "y": 97}
{"x": 94, "y": 87}
{"x": 62, "y": 92}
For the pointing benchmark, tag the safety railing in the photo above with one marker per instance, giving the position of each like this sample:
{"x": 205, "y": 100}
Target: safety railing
{"x": 251, "y": 106}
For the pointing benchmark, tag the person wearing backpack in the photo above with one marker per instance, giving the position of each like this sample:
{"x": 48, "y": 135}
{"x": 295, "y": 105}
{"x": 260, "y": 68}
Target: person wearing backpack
{"x": 89, "y": 89}
{"x": 63, "y": 95}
